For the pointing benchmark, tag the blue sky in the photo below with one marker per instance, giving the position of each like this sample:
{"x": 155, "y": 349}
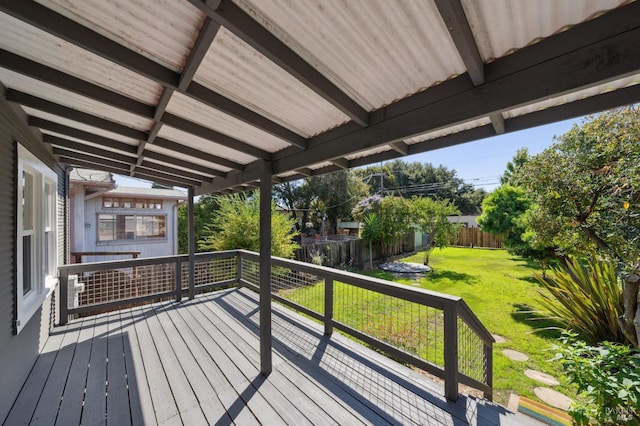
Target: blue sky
{"x": 480, "y": 163}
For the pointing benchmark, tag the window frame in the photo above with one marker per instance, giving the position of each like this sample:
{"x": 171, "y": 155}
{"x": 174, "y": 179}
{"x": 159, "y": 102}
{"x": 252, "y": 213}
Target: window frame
{"x": 43, "y": 277}
{"x": 136, "y": 238}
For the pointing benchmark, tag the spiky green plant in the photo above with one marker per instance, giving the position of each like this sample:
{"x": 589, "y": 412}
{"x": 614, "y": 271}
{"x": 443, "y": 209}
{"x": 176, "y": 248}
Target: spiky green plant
{"x": 587, "y": 296}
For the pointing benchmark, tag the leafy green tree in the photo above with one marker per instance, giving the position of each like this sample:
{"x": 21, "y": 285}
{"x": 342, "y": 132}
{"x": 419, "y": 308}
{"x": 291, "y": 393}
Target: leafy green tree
{"x": 587, "y": 191}
{"x": 236, "y": 225}
{"x": 501, "y": 213}
{"x": 430, "y": 216}
{"x": 520, "y": 159}
{"x": 203, "y": 211}
{"x": 395, "y": 214}
{"x": 333, "y": 195}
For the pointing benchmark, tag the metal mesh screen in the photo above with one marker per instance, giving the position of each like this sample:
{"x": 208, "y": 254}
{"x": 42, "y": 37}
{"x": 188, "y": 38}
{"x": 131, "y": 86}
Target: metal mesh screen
{"x": 412, "y": 327}
{"x": 97, "y": 287}
{"x": 210, "y": 271}
{"x": 471, "y": 361}
{"x": 299, "y": 287}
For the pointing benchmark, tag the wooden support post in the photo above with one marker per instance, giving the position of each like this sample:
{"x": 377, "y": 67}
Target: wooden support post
{"x": 239, "y": 271}
{"x": 64, "y": 296}
{"x": 192, "y": 246}
{"x": 265, "y": 270}
{"x": 451, "y": 351}
{"x": 328, "y": 306}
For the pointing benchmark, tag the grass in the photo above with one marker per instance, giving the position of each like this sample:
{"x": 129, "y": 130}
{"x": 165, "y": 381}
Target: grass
{"x": 498, "y": 287}
{"x": 501, "y": 291}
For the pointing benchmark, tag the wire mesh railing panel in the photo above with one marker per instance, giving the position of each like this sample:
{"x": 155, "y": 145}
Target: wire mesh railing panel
{"x": 111, "y": 285}
{"x": 412, "y": 327}
{"x": 250, "y": 271}
{"x": 299, "y": 287}
{"x": 210, "y": 271}
{"x": 471, "y": 360}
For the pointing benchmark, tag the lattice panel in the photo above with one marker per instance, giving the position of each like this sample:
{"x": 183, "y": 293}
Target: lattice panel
{"x": 121, "y": 284}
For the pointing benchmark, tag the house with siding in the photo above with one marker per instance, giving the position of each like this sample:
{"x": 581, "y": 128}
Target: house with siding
{"x": 108, "y": 218}
{"x": 225, "y": 96}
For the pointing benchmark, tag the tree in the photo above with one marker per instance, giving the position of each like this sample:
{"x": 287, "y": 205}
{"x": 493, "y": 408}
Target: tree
{"x": 333, "y": 195}
{"x": 395, "y": 214}
{"x": 236, "y": 225}
{"x": 372, "y": 233}
{"x": 501, "y": 215}
{"x": 202, "y": 213}
{"x": 430, "y": 216}
{"x": 587, "y": 191}
{"x": 423, "y": 180}
{"x": 520, "y": 159}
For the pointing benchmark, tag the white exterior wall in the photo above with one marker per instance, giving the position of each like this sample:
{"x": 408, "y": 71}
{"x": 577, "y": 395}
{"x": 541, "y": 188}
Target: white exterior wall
{"x": 147, "y": 248}
{"x": 470, "y": 221}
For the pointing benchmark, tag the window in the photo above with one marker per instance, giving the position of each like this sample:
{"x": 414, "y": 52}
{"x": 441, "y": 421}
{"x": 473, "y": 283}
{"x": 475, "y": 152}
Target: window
{"x": 113, "y": 227}
{"x": 37, "y": 261}
{"x": 130, "y": 203}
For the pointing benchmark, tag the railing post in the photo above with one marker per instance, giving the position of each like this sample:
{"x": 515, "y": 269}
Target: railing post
{"x": 64, "y": 296}
{"x": 239, "y": 272}
{"x": 328, "y": 306}
{"x": 451, "y": 351}
{"x": 192, "y": 245}
{"x": 178, "y": 280}
{"x": 488, "y": 362}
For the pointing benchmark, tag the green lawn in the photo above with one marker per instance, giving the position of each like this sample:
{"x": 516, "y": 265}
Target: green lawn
{"x": 501, "y": 291}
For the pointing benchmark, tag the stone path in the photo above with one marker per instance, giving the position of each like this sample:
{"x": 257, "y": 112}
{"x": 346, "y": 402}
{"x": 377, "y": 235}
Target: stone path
{"x": 548, "y": 396}
{"x": 541, "y": 377}
{"x": 404, "y": 267}
{"x": 515, "y": 355}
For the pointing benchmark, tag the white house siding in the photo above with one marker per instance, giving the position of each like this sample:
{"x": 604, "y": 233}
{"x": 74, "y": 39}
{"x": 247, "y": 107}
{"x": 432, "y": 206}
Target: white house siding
{"x": 18, "y": 353}
{"x": 147, "y": 248}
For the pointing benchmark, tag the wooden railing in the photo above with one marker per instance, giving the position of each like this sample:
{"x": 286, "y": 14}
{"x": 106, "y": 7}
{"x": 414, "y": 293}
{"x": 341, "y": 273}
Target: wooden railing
{"x": 432, "y": 331}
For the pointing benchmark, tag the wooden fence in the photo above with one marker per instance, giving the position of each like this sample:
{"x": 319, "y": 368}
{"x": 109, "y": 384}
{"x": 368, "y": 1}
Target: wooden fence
{"x": 476, "y": 237}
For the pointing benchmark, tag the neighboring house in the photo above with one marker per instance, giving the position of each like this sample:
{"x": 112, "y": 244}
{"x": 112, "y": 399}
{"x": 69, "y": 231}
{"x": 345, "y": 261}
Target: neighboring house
{"x": 109, "y": 218}
{"x": 467, "y": 221}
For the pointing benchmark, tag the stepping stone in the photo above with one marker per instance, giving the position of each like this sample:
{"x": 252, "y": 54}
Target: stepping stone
{"x": 514, "y": 355}
{"x": 541, "y": 377}
{"x": 498, "y": 338}
{"x": 553, "y": 398}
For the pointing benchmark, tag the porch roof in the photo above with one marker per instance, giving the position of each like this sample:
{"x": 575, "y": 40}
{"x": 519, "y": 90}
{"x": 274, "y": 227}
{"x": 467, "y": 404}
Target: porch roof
{"x": 199, "y": 93}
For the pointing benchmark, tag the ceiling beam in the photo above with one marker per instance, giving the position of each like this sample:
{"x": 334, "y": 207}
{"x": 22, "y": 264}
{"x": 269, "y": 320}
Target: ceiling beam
{"x": 175, "y": 172}
{"x": 44, "y": 105}
{"x": 197, "y": 153}
{"x": 152, "y": 155}
{"x": 455, "y": 19}
{"x": 108, "y": 161}
{"x": 305, "y": 171}
{"x": 343, "y": 163}
{"x": 214, "y": 136}
{"x": 251, "y": 32}
{"x": 497, "y": 121}
{"x": 86, "y": 149}
{"x": 400, "y": 147}
{"x": 97, "y": 164}
{"x": 154, "y": 174}
{"x": 609, "y": 59}
{"x": 73, "y": 32}
{"x": 41, "y": 123}
{"x": 252, "y": 172}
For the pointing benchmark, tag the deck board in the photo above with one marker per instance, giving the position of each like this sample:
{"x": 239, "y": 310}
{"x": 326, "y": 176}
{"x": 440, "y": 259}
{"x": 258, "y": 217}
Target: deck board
{"x": 197, "y": 362}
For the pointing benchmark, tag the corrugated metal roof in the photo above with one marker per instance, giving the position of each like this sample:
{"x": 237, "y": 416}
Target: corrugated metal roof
{"x": 503, "y": 26}
{"x": 162, "y": 30}
{"x": 310, "y": 84}
{"x": 239, "y": 72}
{"x": 375, "y": 50}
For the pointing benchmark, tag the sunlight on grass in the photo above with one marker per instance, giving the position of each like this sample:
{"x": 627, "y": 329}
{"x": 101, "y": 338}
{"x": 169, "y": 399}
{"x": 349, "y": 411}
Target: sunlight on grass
{"x": 501, "y": 291}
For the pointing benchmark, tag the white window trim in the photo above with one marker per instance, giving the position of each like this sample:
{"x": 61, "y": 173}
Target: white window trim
{"x": 28, "y": 304}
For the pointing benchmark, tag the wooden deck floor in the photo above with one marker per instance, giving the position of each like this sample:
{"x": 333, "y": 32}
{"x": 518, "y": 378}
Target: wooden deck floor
{"x": 197, "y": 363}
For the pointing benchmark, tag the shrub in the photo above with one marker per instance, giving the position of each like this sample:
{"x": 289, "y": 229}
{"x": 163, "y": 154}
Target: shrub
{"x": 587, "y": 298}
{"x": 608, "y": 381}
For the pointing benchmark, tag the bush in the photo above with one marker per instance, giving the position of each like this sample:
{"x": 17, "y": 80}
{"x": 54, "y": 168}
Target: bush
{"x": 587, "y": 298}
{"x": 608, "y": 381}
